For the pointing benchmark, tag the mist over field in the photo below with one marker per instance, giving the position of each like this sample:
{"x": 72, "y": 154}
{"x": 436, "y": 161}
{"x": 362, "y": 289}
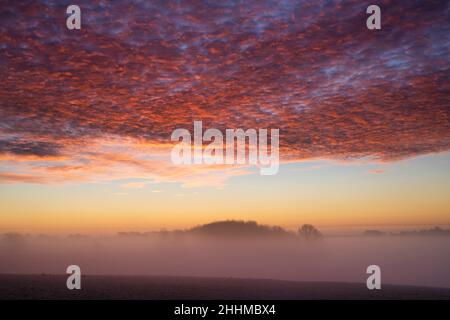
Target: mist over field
{"x": 406, "y": 260}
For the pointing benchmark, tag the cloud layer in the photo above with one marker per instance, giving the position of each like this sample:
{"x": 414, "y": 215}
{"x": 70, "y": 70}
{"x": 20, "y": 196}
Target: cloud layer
{"x": 137, "y": 70}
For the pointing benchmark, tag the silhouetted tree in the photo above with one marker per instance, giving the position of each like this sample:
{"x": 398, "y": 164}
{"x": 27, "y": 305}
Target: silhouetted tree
{"x": 309, "y": 232}
{"x": 238, "y": 228}
{"x": 373, "y": 233}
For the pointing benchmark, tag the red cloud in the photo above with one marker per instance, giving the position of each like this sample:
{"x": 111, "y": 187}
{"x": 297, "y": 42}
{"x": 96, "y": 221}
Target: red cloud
{"x": 139, "y": 71}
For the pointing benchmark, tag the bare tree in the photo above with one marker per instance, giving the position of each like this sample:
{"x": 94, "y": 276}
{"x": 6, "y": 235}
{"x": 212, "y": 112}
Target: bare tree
{"x": 309, "y": 232}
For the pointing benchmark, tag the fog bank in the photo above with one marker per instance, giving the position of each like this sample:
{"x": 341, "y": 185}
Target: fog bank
{"x": 423, "y": 261}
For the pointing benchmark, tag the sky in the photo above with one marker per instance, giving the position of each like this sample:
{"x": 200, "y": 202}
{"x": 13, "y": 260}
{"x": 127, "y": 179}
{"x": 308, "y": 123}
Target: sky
{"x": 86, "y": 115}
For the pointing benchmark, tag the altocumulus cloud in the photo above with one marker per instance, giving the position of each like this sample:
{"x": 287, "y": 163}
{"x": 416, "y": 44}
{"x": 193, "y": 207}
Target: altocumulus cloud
{"x": 97, "y": 100}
